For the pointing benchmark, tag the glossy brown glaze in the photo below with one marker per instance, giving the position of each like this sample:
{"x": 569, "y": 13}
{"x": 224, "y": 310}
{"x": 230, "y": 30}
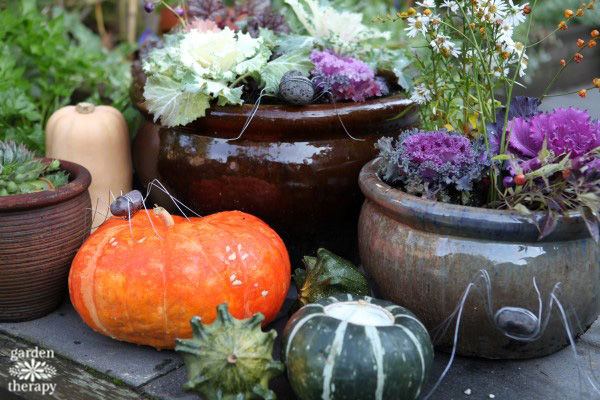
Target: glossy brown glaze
{"x": 294, "y": 167}
{"x": 423, "y": 254}
{"x": 39, "y": 236}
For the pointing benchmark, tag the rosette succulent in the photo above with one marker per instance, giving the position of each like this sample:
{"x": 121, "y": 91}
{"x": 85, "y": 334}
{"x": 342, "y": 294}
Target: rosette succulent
{"x": 434, "y": 165}
{"x": 20, "y": 173}
{"x": 345, "y": 78}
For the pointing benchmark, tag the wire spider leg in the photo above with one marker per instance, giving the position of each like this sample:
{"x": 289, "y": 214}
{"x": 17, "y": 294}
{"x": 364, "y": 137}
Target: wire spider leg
{"x": 251, "y": 117}
{"x": 565, "y": 320}
{"x": 157, "y": 184}
{"x": 456, "y": 329}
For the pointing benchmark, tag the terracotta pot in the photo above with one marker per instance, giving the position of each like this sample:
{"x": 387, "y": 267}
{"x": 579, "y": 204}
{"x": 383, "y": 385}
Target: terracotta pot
{"x": 39, "y": 236}
{"x": 294, "y": 167}
{"x": 423, "y": 254}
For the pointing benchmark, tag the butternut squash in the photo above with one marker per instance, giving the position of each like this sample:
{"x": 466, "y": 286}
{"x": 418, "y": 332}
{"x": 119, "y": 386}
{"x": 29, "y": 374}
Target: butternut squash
{"x": 97, "y": 138}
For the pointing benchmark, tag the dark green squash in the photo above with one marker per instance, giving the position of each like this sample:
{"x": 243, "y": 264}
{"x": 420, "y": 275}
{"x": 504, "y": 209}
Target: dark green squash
{"x": 353, "y": 347}
{"x": 326, "y": 275}
{"x": 230, "y": 359}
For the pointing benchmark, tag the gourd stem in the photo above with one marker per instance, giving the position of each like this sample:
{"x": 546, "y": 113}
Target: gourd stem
{"x": 232, "y": 359}
{"x": 85, "y": 108}
{"x": 164, "y": 215}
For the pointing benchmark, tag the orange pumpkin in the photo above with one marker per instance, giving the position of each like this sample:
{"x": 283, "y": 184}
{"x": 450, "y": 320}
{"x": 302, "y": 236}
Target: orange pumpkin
{"x": 146, "y": 290}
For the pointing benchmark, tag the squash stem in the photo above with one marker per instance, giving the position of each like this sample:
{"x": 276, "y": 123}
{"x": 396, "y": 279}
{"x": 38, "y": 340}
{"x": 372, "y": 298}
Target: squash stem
{"x": 164, "y": 215}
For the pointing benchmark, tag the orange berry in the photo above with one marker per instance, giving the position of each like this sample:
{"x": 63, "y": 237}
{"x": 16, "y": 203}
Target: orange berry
{"x": 527, "y": 9}
{"x": 563, "y": 63}
{"x": 520, "y": 179}
{"x": 578, "y": 57}
{"x": 580, "y": 43}
{"x": 582, "y": 93}
{"x": 472, "y": 26}
{"x": 595, "y": 33}
{"x": 568, "y": 14}
{"x": 597, "y": 82}
{"x": 580, "y": 13}
{"x": 592, "y": 43}
{"x": 563, "y": 26}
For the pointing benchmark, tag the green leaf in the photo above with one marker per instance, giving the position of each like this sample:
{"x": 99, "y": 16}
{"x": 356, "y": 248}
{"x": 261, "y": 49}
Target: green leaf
{"x": 255, "y": 63}
{"x": 289, "y": 43}
{"x": 166, "y": 100}
{"x": 272, "y": 73}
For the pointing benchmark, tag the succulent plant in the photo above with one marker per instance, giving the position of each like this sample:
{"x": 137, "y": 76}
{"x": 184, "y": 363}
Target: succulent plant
{"x": 230, "y": 359}
{"x": 20, "y": 173}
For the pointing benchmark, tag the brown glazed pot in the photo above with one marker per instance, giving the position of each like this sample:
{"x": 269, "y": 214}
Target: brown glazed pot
{"x": 39, "y": 236}
{"x": 294, "y": 167}
{"x": 422, "y": 255}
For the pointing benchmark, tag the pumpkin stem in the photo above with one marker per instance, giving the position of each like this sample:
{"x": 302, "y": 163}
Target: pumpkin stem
{"x": 232, "y": 359}
{"x": 164, "y": 215}
{"x": 85, "y": 108}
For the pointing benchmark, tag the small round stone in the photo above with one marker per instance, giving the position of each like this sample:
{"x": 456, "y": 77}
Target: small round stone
{"x": 516, "y": 322}
{"x": 296, "y": 89}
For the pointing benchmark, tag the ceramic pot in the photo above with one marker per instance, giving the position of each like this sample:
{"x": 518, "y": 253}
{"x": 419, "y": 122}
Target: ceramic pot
{"x": 294, "y": 167}
{"x": 39, "y": 236}
{"x": 422, "y": 255}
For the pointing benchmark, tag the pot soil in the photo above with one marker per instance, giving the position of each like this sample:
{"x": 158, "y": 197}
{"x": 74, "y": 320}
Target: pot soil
{"x": 39, "y": 236}
{"x": 422, "y": 255}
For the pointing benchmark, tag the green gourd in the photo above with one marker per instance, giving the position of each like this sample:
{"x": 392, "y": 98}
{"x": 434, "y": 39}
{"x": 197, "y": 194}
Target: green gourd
{"x": 326, "y": 275}
{"x": 355, "y": 347}
{"x": 230, "y": 359}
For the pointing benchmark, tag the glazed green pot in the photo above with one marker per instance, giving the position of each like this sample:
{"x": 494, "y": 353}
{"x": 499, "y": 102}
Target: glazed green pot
{"x": 423, "y": 254}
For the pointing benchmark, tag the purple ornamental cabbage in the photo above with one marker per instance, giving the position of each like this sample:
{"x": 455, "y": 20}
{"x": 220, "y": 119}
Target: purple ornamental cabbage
{"x": 345, "y": 77}
{"x": 429, "y": 163}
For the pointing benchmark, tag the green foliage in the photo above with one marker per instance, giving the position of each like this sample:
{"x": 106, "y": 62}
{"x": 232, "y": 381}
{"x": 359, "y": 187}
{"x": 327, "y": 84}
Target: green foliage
{"x": 272, "y": 73}
{"x": 21, "y": 174}
{"x": 49, "y": 61}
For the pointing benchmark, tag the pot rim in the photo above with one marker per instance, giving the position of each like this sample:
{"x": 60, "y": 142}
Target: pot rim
{"x": 80, "y": 180}
{"x": 457, "y": 220}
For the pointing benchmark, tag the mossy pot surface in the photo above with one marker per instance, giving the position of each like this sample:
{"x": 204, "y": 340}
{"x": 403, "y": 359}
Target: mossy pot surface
{"x": 423, "y": 254}
{"x": 39, "y": 235}
{"x": 295, "y": 167}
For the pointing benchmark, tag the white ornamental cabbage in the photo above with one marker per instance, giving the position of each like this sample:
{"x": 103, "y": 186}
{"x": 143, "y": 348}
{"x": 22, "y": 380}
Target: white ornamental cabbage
{"x": 196, "y": 67}
{"x": 343, "y": 29}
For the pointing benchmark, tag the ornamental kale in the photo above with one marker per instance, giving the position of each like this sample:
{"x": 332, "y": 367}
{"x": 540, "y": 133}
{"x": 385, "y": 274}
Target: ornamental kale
{"x": 435, "y": 165}
{"x": 345, "y": 78}
{"x": 566, "y": 131}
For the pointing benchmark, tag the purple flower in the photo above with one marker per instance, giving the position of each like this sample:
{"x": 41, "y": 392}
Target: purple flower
{"x": 438, "y": 148}
{"x": 149, "y": 7}
{"x": 345, "y": 77}
{"x": 429, "y": 163}
{"x": 566, "y": 131}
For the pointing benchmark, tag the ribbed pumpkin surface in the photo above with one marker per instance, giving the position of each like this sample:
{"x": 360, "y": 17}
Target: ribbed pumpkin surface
{"x": 36, "y": 249}
{"x": 333, "y": 358}
{"x": 147, "y": 289}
